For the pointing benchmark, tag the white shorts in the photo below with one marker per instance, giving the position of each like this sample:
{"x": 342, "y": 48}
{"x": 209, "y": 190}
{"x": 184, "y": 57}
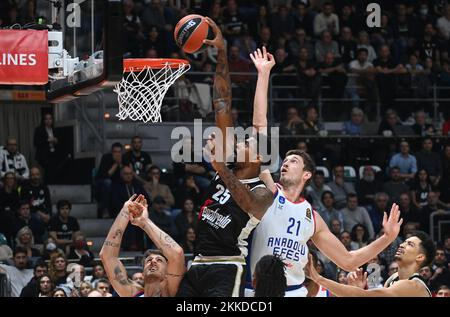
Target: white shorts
{"x": 299, "y": 292}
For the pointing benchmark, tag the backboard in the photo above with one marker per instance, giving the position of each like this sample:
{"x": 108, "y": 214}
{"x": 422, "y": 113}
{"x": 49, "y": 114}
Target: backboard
{"x": 78, "y": 49}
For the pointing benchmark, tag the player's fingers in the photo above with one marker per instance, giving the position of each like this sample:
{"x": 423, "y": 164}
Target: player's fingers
{"x": 384, "y": 217}
{"x": 259, "y": 53}
{"x": 400, "y": 222}
{"x": 264, "y": 51}
{"x": 270, "y": 57}
{"x": 252, "y": 58}
{"x": 208, "y": 42}
{"x": 132, "y": 197}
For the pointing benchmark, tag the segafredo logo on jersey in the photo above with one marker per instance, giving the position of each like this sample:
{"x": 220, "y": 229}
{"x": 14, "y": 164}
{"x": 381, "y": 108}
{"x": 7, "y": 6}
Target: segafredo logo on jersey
{"x": 183, "y": 32}
{"x": 215, "y": 219}
{"x": 17, "y": 59}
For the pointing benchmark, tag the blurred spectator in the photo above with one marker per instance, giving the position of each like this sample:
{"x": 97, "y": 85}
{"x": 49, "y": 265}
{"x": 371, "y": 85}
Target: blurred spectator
{"x": 406, "y": 162}
{"x": 59, "y": 292}
{"x": 161, "y": 217}
{"x": 444, "y": 186}
{"x": 45, "y": 286}
{"x": 317, "y": 189}
{"x": 189, "y": 241}
{"x": 419, "y": 82}
{"x": 443, "y": 24}
{"x": 138, "y": 277}
{"x": 48, "y": 248}
{"x": 103, "y": 286}
{"x": 388, "y": 124}
{"x": 97, "y": 273}
{"x": 420, "y": 127}
{"x": 154, "y": 187}
{"x": 359, "y": 236}
{"x": 122, "y": 190}
{"x": 426, "y": 274}
{"x": 9, "y": 203}
{"x": 384, "y": 34}
{"x": 79, "y": 250}
{"x": 18, "y": 274}
{"x": 185, "y": 219}
{"x": 293, "y": 123}
{"x": 246, "y": 44}
{"x": 24, "y": 218}
{"x": 354, "y": 214}
{"x": 342, "y": 277}
{"x": 364, "y": 42}
{"x": 303, "y": 18}
{"x": 13, "y": 161}
{"x": 443, "y": 291}
{"x": 156, "y": 13}
{"x": 447, "y": 247}
{"x": 37, "y": 194}
{"x": 311, "y": 125}
{"x": 441, "y": 274}
{"x": 233, "y": 22}
{"x": 188, "y": 189}
{"x": 446, "y": 126}
{"x": 423, "y": 19}
{"x": 31, "y": 289}
{"x": 336, "y": 227}
{"x": 25, "y": 240}
{"x": 420, "y": 188}
{"x": 299, "y": 41}
{"x": 216, "y": 12}
{"x": 85, "y": 289}
{"x": 46, "y": 142}
{"x": 431, "y": 206}
{"x": 387, "y": 69}
{"x": 326, "y": 21}
{"x": 284, "y": 66}
{"x": 345, "y": 239}
{"x": 404, "y": 30}
{"x": 409, "y": 212}
{"x": 347, "y": 45}
{"x": 395, "y": 186}
{"x": 367, "y": 186}
{"x": 132, "y": 30}
{"x": 57, "y": 269}
{"x": 430, "y": 161}
{"x": 62, "y": 226}
{"x": 429, "y": 45}
{"x": 354, "y": 126}
{"x": 137, "y": 159}
{"x": 154, "y": 41}
{"x": 266, "y": 39}
{"x": 5, "y": 251}
{"x": 282, "y": 22}
{"x": 349, "y": 20}
{"x": 237, "y": 122}
{"x": 333, "y": 75}
{"x": 328, "y": 212}
{"x": 340, "y": 188}
{"x": 237, "y": 64}
{"x": 326, "y": 45}
{"x": 309, "y": 78}
{"x": 262, "y": 20}
{"x": 380, "y": 206}
{"x": 108, "y": 172}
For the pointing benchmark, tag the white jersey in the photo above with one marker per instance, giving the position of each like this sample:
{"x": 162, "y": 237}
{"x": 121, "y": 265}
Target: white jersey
{"x": 284, "y": 230}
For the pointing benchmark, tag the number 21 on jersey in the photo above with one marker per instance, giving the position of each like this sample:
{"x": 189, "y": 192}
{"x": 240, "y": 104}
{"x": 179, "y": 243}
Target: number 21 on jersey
{"x": 294, "y": 226}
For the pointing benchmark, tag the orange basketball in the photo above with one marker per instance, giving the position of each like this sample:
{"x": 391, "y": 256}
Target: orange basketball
{"x": 190, "y": 32}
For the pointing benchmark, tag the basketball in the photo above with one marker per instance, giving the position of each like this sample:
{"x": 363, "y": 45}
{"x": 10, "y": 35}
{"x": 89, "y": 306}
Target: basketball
{"x": 190, "y": 32}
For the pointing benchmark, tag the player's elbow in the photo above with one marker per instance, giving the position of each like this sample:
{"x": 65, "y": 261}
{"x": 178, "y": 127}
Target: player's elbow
{"x": 349, "y": 264}
{"x": 176, "y": 253}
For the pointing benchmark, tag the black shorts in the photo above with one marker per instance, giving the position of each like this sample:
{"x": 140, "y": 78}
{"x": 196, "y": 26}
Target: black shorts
{"x": 213, "y": 280}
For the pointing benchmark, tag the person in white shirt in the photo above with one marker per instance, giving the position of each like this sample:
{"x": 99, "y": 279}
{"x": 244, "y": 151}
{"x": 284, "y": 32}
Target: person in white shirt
{"x": 12, "y": 160}
{"x": 18, "y": 275}
{"x": 326, "y": 21}
{"x": 443, "y": 24}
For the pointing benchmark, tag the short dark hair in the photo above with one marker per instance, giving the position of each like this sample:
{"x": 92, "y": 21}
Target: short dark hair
{"x": 103, "y": 280}
{"x": 116, "y": 144}
{"x": 40, "y": 263}
{"x": 426, "y": 138}
{"x": 427, "y": 246}
{"x": 362, "y": 49}
{"x": 319, "y": 172}
{"x": 307, "y": 160}
{"x": 327, "y": 192}
{"x": 351, "y": 195}
{"x": 154, "y": 252}
{"x": 62, "y": 203}
{"x": 136, "y": 137}
{"x": 270, "y": 277}
{"x": 353, "y": 233}
{"x": 18, "y": 250}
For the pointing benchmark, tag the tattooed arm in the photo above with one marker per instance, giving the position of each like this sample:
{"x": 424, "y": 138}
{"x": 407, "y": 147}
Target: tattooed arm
{"x": 109, "y": 254}
{"x": 222, "y": 90}
{"x": 170, "y": 249}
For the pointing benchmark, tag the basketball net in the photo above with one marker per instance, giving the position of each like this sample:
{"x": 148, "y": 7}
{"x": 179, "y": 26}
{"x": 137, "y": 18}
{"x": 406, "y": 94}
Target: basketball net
{"x": 141, "y": 91}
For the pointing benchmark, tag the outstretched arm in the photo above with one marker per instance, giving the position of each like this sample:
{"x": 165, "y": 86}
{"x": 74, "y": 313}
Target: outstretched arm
{"x": 404, "y": 288}
{"x": 170, "y": 249}
{"x": 109, "y": 255}
{"x": 331, "y": 247}
{"x": 264, "y": 62}
{"x": 222, "y": 89}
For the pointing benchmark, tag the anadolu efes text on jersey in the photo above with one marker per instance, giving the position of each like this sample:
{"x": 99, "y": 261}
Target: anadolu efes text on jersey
{"x": 284, "y": 231}
{"x": 223, "y": 227}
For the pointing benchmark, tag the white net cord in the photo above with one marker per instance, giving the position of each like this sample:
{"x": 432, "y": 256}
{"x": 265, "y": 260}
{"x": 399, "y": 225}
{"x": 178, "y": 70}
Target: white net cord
{"x": 140, "y": 94}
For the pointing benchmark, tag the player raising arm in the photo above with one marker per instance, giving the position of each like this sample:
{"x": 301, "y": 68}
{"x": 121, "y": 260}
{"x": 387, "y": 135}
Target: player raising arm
{"x": 414, "y": 253}
{"x": 163, "y": 269}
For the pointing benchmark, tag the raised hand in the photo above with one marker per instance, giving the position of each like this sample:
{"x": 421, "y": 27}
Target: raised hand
{"x": 263, "y": 60}
{"x": 138, "y": 210}
{"x": 218, "y": 41}
{"x": 392, "y": 224}
{"x": 357, "y": 278}
{"x": 310, "y": 270}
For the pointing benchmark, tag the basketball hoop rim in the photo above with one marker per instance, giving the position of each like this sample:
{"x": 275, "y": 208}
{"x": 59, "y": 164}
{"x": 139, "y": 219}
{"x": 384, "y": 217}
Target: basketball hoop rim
{"x": 138, "y": 64}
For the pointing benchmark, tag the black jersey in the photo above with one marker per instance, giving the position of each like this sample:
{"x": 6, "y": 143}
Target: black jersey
{"x": 416, "y": 277}
{"x": 223, "y": 227}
